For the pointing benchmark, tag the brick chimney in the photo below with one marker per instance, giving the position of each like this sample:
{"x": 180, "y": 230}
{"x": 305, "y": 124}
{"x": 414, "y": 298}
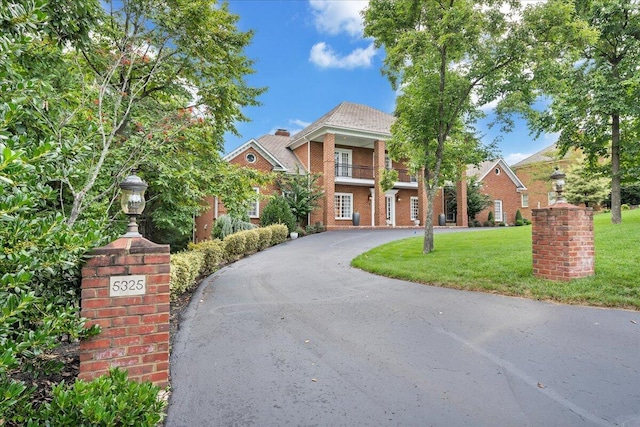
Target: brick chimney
{"x": 283, "y": 132}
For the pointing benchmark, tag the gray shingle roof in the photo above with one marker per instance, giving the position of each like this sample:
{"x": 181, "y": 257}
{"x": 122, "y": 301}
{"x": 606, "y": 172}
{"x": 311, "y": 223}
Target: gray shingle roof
{"x": 277, "y": 147}
{"x": 350, "y": 117}
{"x": 548, "y": 154}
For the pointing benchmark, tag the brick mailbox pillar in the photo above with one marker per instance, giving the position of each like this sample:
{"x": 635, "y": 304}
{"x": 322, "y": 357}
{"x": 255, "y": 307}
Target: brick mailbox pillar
{"x": 563, "y": 245}
{"x": 125, "y": 290}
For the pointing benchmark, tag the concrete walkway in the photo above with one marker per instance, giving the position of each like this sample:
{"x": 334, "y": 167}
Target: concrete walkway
{"x": 295, "y": 336}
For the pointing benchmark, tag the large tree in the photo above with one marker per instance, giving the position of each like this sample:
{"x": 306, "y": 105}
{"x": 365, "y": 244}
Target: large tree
{"x": 448, "y": 58}
{"x": 159, "y": 85}
{"x": 592, "y": 83}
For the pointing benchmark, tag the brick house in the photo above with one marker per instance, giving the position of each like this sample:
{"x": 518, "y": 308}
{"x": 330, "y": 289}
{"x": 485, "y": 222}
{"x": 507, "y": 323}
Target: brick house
{"x": 535, "y": 172}
{"x": 508, "y": 193}
{"x": 347, "y": 147}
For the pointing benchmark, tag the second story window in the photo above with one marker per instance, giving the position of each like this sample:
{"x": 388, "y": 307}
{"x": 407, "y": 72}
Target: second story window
{"x": 342, "y": 162}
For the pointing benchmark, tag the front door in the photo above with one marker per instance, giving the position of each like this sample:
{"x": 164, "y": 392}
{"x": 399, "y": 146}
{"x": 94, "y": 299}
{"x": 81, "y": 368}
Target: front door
{"x": 390, "y": 202}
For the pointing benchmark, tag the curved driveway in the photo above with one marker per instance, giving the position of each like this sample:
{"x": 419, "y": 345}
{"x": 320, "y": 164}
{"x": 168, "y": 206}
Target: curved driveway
{"x": 293, "y": 336}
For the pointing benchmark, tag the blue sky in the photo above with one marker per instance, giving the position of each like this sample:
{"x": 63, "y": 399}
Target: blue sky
{"x": 311, "y": 55}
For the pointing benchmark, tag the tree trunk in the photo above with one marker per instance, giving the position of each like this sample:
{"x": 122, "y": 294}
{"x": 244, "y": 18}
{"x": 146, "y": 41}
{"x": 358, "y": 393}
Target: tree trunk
{"x": 427, "y": 245}
{"x": 616, "y": 209}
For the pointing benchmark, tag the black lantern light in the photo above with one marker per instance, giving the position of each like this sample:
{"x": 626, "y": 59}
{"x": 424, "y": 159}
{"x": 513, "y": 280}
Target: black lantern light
{"x": 557, "y": 178}
{"x": 132, "y": 201}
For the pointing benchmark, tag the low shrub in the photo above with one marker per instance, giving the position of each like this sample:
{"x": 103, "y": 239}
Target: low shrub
{"x": 301, "y": 231}
{"x": 279, "y": 233}
{"x": 264, "y": 237}
{"x": 185, "y": 269}
{"x": 310, "y": 229}
{"x": 214, "y": 254}
{"x": 251, "y": 238}
{"x": 501, "y": 224}
{"x": 519, "y": 222}
{"x": 234, "y": 245}
{"x": 488, "y": 224}
{"x": 526, "y": 221}
{"x": 106, "y": 401}
{"x": 624, "y": 207}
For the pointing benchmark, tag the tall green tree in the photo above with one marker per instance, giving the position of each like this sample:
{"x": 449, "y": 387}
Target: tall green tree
{"x": 302, "y": 192}
{"x": 447, "y": 58}
{"x": 160, "y": 84}
{"x": 592, "y": 84}
{"x": 584, "y": 185}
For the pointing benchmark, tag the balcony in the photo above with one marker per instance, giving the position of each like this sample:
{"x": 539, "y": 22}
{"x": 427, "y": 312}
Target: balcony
{"x": 364, "y": 175}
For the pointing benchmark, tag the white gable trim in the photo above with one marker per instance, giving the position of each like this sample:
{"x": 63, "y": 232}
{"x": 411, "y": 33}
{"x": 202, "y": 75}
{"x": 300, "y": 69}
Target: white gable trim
{"x": 252, "y": 143}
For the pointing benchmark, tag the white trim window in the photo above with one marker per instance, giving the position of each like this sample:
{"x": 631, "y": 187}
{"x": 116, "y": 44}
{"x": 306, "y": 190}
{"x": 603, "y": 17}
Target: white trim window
{"x": 415, "y": 208}
{"x": 342, "y": 160}
{"x": 343, "y": 205}
{"x": 497, "y": 208}
{"x": 524, "y": 200}
{"x": 254, "y": 205}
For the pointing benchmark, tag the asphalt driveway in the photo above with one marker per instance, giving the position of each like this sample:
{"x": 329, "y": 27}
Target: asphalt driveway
{"x": 295, "y": 336}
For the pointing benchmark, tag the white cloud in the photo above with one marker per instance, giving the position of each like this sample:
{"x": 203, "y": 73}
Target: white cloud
{"x": 325, "y": 57}
{"x": 299, "y": 123}
{"x": 335, "y": 17}
{"x": 514, "y": 158}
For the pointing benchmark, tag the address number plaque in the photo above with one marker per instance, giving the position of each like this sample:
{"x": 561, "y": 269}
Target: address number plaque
{"x": 124, "y": 286}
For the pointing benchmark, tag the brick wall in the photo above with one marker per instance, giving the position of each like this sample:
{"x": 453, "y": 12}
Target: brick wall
{"x": 135, "y": 328}
{"x": 500, "y": 187}
{"x": 563, "y": 243}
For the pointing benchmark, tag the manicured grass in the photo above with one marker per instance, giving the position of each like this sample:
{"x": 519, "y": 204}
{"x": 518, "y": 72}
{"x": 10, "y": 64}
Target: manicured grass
{"x": 498, "y": 260}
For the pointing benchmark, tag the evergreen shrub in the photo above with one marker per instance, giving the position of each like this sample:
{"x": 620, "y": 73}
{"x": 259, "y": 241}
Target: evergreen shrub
{"x": 214, "y": 254}
{"x": 279, "y": 233}
{"x": 251, "y": 238}
{"x": 185, "y": 269}
{"x": 264, "y": 237}
{"x": 106, "y": 401}
{"x": 235, "y": 245}
{"x": 278, "y": 211}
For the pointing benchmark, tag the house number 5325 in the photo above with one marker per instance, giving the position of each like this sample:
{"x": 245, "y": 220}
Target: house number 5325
{"x": 120, "y": 286}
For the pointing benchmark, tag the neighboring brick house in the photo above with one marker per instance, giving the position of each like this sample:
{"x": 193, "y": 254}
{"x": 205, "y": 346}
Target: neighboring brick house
{"x": 508, "y": 193}
{"x": 346, "y": 146}
{"x": 535, "y": 172}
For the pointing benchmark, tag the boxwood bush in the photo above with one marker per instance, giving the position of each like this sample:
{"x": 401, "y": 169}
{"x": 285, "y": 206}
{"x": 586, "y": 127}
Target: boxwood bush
{"x": 214, "y": 254}
{"x": 264, "y": 237}
{"x": 251, "y": 238}
{"x": 235, "y": 245}
{"x": 279, "y": 233}
{"x": 185, "y": 269}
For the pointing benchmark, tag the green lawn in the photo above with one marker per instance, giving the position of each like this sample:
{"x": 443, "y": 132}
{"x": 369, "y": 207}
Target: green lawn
{"x": 498, "y": 260}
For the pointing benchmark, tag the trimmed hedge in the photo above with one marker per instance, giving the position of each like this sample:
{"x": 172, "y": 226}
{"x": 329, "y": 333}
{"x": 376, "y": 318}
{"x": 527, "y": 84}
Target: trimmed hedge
{"x": 205, "y": 258}
{"x": 234, "y": 245}
{"x": 264, "y": 237}
{"x": 251, "y": 238}
{"x": 279, "y": 233}
{"x": 185, "y": 269}
{"x": 214, "y": 254}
